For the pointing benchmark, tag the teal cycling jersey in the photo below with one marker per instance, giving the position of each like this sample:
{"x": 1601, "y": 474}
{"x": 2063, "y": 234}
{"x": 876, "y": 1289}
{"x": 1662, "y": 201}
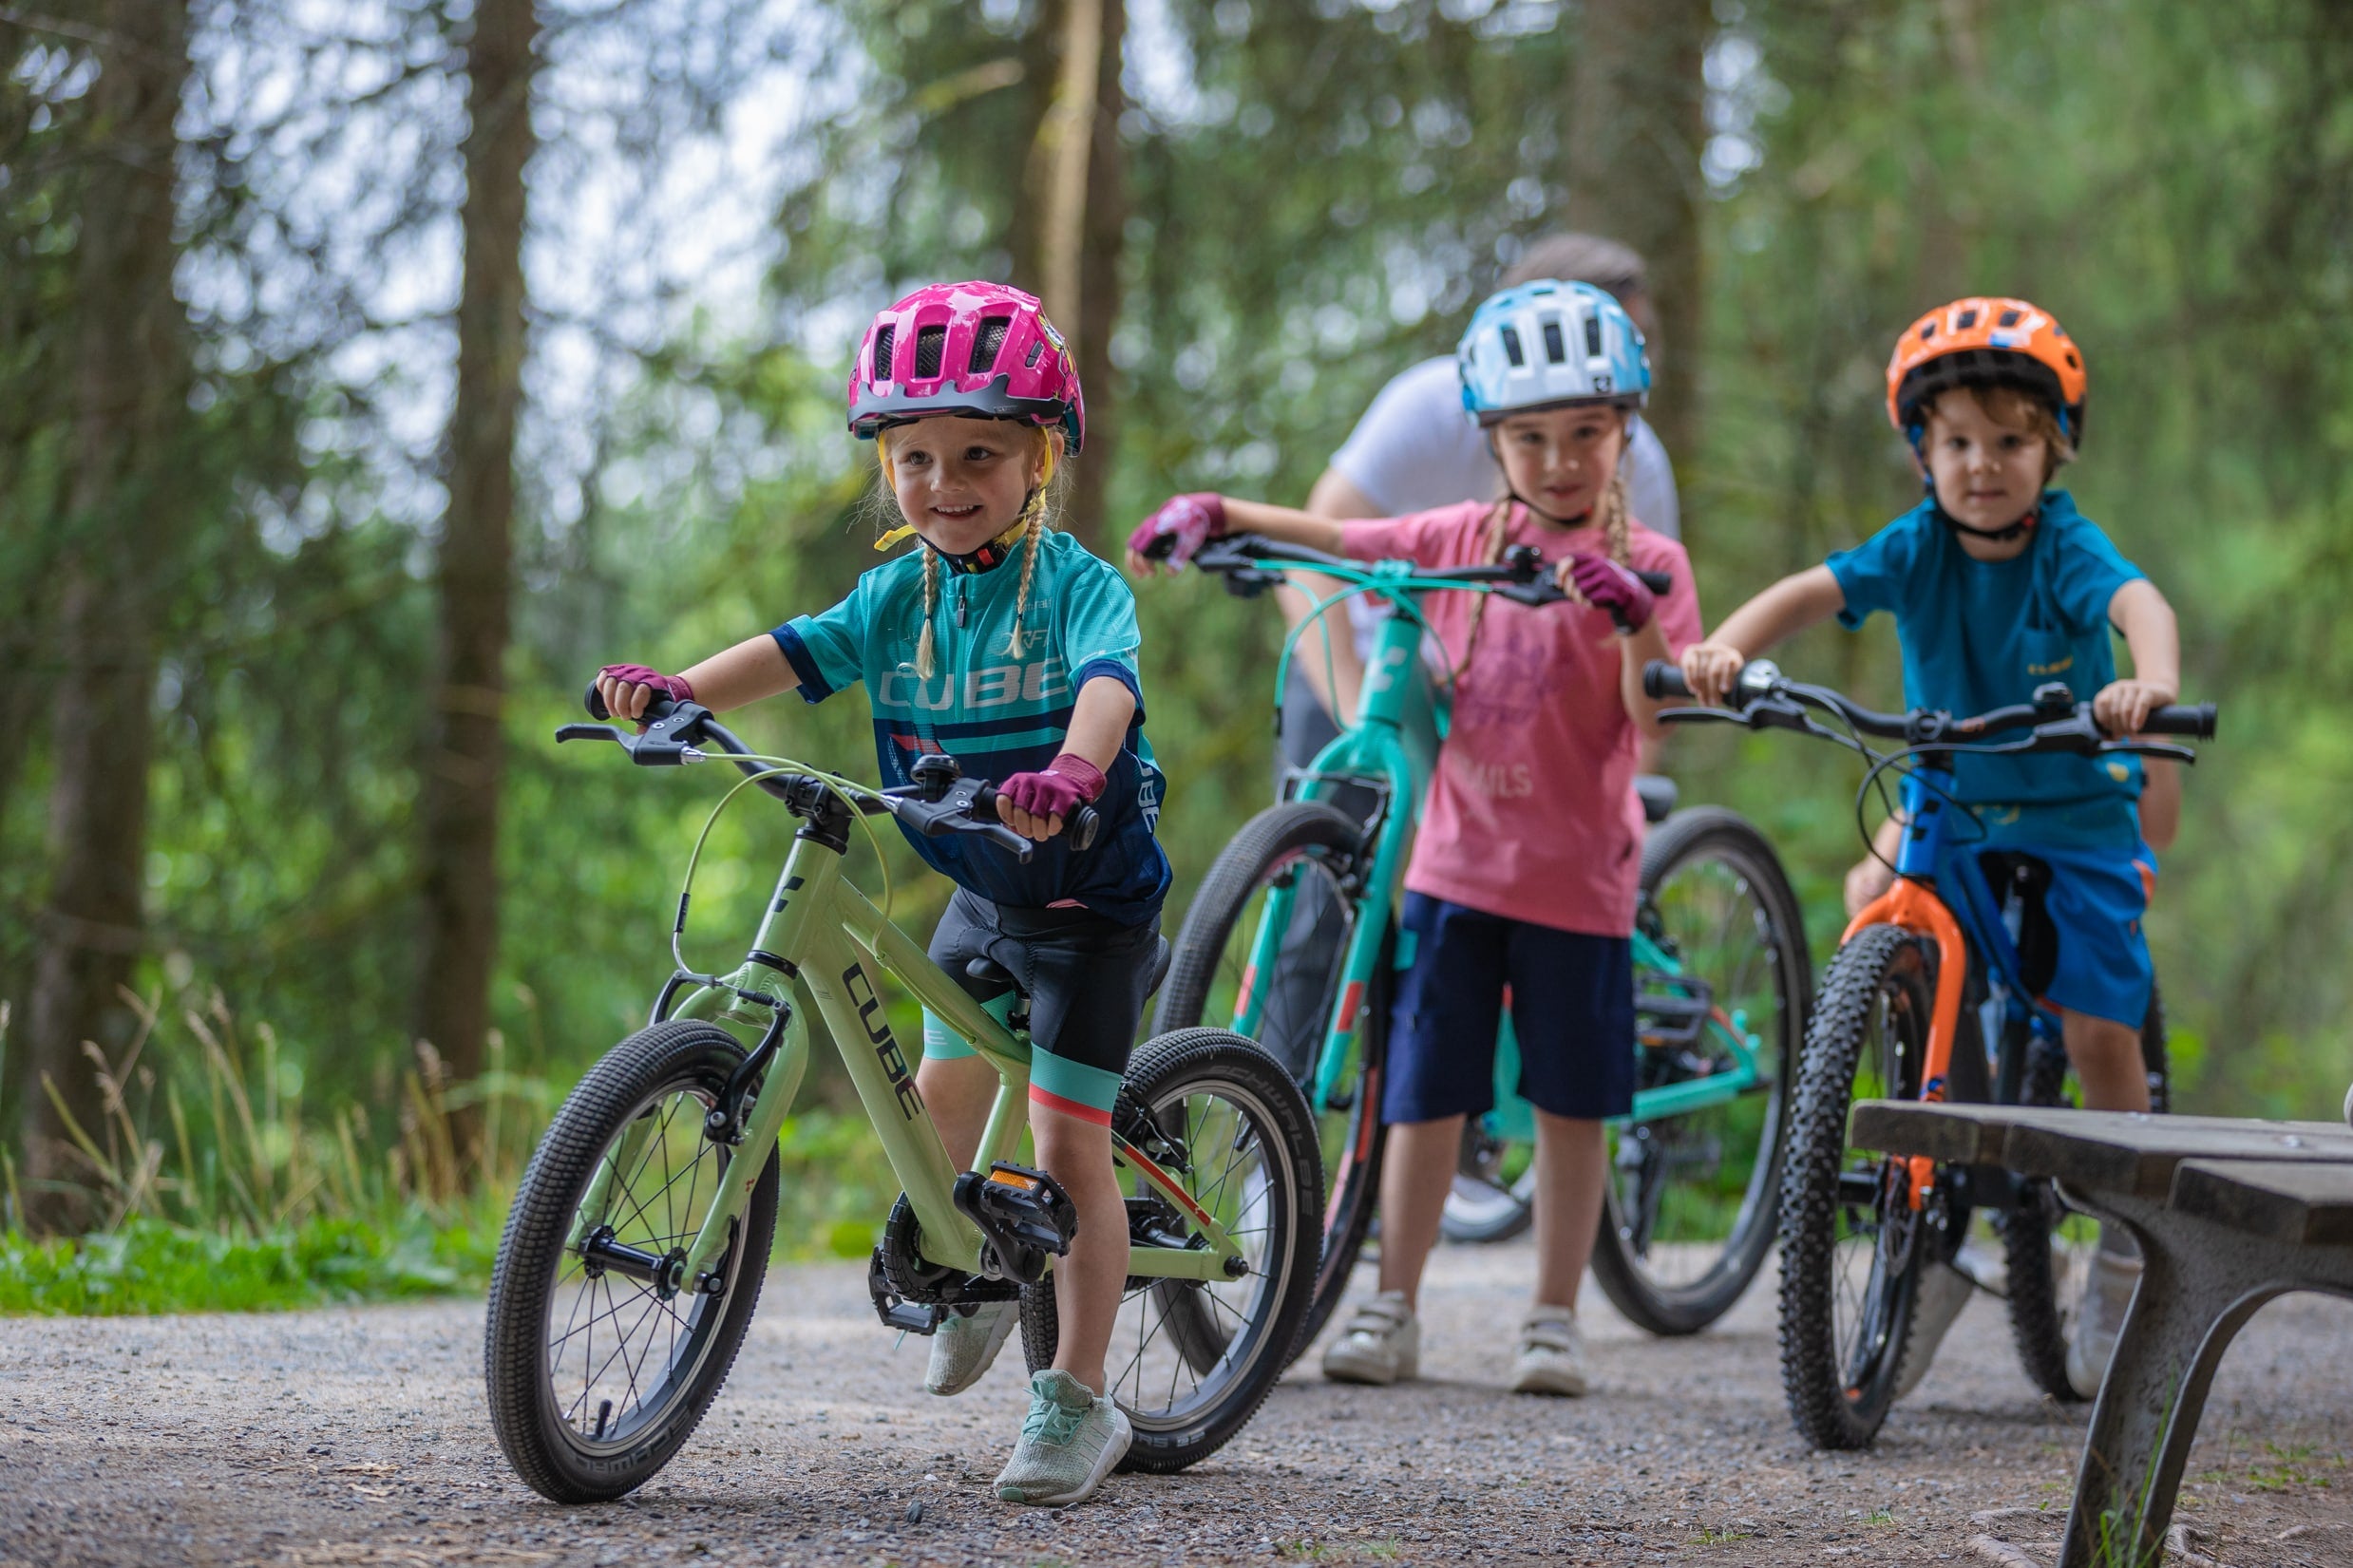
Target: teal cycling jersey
{"x": 1978, "y": 635}
{"x": 999, "y": 700}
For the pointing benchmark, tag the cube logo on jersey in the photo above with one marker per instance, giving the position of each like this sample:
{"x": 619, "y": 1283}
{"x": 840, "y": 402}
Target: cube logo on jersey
{"x": 990, "y": 686}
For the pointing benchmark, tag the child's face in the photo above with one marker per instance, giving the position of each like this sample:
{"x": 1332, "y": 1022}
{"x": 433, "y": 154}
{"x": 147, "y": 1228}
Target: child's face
{"x": 960, "y": 482}
{"x": 1559, "y": 460}
{"x": 1987, "y": 474}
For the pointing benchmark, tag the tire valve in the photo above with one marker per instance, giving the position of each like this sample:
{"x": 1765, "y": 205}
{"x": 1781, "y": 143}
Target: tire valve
{"x": 604, "y": 1413}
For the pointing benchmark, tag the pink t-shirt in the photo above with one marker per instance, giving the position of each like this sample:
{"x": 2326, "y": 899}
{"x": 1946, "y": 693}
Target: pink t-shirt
{"x": 1532, "y": 813}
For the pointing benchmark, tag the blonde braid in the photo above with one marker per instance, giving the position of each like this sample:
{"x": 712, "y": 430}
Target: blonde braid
{"x": 931, "y": 601}
{"x": 1497, "y": 525}
{"x": 1614, "y": 516}
{"x": 1034, "y": 539}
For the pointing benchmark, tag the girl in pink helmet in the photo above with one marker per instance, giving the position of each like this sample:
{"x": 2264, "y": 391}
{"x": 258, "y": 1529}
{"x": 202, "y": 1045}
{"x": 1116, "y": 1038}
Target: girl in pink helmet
{"x": 1007, "y": 645}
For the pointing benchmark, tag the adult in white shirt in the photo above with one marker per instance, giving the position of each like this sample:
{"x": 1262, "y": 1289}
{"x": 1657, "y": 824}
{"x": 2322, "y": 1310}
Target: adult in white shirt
{"x": 1415, "y": 450}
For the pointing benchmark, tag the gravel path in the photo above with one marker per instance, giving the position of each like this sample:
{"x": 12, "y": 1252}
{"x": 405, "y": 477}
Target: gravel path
{"x": 357, "y": 1437}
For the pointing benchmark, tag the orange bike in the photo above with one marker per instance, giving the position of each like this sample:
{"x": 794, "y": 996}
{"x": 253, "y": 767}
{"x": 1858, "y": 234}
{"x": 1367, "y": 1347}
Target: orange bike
{"x": 1933, "y": 994}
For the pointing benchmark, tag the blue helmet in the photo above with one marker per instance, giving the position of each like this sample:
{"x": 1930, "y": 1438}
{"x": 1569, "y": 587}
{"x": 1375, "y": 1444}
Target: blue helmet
{"x": 1549, "y": 342}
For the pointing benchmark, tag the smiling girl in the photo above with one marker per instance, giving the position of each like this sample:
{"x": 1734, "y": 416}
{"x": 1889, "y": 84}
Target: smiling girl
{"x": 1525, "y": 862}
{"x": 1007, "y": 645}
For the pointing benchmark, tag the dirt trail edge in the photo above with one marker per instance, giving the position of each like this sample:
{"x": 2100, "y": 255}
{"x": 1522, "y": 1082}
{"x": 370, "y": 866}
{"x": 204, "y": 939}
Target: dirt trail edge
{"x": 358, "y": 1437}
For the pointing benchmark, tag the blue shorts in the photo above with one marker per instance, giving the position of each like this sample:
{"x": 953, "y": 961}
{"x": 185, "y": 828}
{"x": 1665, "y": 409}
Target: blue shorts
{"x": 1572, "y": 1005}
{"x": 2095, "y": 952}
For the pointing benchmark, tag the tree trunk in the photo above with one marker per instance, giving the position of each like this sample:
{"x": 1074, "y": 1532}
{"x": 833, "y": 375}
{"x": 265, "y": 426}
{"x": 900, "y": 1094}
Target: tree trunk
{"x": 467, "y": 758}
{"x": 1078, "y": 177}
{"x": 1637, "y": 121}
{"x": 129, "y": 418}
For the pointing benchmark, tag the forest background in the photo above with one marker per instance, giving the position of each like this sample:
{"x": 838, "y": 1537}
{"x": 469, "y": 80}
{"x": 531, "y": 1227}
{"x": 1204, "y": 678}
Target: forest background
{"x": 370, "y": 373}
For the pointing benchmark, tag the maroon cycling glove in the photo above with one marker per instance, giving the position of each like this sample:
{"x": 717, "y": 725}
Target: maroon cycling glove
{"x": 1189, "y": 521}
{"x": 1058, "y": 790}
{"x": 673, "y": 687}
{"x": 1612, "y": 589}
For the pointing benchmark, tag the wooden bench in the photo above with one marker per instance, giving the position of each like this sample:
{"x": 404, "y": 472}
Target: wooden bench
{"x": 2228, "y": 1214}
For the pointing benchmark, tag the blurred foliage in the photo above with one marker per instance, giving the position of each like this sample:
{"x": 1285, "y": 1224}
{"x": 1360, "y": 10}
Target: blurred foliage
{"x": 1317, "y": 195}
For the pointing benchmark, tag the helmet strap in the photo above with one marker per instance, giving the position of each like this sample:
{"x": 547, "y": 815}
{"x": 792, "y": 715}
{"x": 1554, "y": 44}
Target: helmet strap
{"x": 989, "y": 557}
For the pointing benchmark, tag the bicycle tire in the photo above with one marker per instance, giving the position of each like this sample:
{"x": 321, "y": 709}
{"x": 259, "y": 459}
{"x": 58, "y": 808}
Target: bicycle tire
{"x": 1685, "y": 839}
{"x": 2041, "y": 1315}
{"x": 631, "y": 1081}
{"x": 1267, "y": 845}
{"x": 1834, "y": 1404}
{"x": 1167, "y": 1071}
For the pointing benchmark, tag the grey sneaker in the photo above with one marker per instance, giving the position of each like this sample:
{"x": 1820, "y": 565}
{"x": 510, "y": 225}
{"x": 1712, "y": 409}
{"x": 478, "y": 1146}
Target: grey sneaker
{"x": 1070, "y": 1442}
{"x": 1382, "y": 1343}
{"x": 1943, "y": 1290}
{"x": 1552, "y": 1354}
{"x": 962, "y": 1348}
{"x": 2107, "y": 1295}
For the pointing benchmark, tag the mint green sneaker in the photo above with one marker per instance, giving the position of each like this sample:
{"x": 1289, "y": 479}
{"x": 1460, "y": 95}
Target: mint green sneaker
{"x": 1071, "y": 1441}
{"x": 962, "y": 1348}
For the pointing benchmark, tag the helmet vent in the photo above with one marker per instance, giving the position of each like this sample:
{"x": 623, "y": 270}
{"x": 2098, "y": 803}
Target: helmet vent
{"x": 1555, "y": 350}
{"x": 1035, "y": 350}
{"x": 1593, "y": 336}
{"x": 987, "y": 342}
{"x": 931, "y": 344}
{"x": 883, "y": 338}
{"x": 1927, "y": 331}
{"x": 1968, "y": 319}
{"x": 1511, "y": 348}
{"x": 2007, "y": 318}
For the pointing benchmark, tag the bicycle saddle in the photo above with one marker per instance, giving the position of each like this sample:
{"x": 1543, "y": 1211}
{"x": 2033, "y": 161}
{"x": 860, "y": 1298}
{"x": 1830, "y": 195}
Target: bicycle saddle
{"x": 1658, "y": 792}
{"x": 990, "y": 973}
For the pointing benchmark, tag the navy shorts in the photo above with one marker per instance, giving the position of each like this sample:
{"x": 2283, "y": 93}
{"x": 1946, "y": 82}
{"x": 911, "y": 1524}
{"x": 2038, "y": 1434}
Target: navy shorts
{"x": 1572, "y": 1005}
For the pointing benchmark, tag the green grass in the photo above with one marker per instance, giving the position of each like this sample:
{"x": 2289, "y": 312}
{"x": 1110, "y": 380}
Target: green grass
{"x": 148, "y": 1266}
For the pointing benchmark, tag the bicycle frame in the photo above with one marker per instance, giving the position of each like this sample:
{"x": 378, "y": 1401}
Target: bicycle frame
{"x": 1392, "y": 748}
{"x": 1914, "y": 905}
{"x": 820, "y": 934}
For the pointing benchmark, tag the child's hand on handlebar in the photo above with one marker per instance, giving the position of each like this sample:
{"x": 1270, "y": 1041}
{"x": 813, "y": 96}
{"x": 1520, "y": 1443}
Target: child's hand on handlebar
{"x": 1036, "y": 804}
{"x": 1711, "y": 668}
{"x": 2123, "y": 707}
{"x": 1608, "y": 587}
{"x": 628, "y": 689}
{"x": 1171, "y": 535}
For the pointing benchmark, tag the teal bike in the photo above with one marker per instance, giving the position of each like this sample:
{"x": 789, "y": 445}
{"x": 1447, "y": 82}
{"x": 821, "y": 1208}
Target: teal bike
{"x": 1291, "y": 940}
{"x": 635, "y": 1249}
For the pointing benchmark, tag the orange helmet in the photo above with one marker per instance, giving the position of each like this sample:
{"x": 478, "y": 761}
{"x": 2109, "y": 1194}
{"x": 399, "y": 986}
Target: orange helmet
{"x": 1985, "y": 343}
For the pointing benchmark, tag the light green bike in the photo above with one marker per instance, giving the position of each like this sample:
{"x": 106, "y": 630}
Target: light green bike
{"x": 633, "y": 1254}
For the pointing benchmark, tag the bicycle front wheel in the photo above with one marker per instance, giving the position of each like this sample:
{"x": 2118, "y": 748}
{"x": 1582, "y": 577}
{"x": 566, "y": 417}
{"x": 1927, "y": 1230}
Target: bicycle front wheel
{"x": 1191, "y": 1361}
{"x": 1306, "y": 853}
{"x": 1688, "y": 1211}
{"x": 600, "y": 1358}
{"x": 1852, "y": 1247}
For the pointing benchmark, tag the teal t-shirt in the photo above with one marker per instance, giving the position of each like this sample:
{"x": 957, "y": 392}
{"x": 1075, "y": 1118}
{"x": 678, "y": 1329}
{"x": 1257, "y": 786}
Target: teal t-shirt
{"x": 1980, "y": 635}
{"x": 1000, "y": 706}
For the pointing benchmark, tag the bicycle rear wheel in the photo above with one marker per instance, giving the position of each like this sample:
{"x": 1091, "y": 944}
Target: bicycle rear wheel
{"x": 1312, "y": 851}
{"x": 1688, "y": 1211}
{"x": 1852, "y": 1247}
{"x": 1191, "y": 1361}
{"x": 2047, "y": 1247}
{"x": 599, "y": 1359}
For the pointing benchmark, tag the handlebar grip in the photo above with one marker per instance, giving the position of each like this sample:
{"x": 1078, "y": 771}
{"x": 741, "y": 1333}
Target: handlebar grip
{"x": 656, "y": 710}
{"x": 2195, "y": 719}
{"x": 1079, "y": 827}
{"x": 1658, "y": 582}
{"x": 1661, "y": 680}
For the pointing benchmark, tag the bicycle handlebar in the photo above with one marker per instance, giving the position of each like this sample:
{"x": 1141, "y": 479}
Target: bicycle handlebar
{"x": 1764, "y": 697}
{"x": 1521, "y": 576}
{"x": 968, "y": 805}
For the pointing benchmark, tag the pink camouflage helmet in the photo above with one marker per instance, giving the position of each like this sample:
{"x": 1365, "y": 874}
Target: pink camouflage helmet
{"x": 982, "y": 350}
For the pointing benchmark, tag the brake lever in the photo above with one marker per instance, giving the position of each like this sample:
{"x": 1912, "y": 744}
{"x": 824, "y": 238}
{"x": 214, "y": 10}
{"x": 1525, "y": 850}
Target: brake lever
{"x": 2151, "y": 749}
{"x": 589, "y": 732}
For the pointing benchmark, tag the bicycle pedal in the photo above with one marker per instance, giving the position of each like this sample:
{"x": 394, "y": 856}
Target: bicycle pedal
{"x": 896, "y": 1311}
{"x": 1024, "y": 1216}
